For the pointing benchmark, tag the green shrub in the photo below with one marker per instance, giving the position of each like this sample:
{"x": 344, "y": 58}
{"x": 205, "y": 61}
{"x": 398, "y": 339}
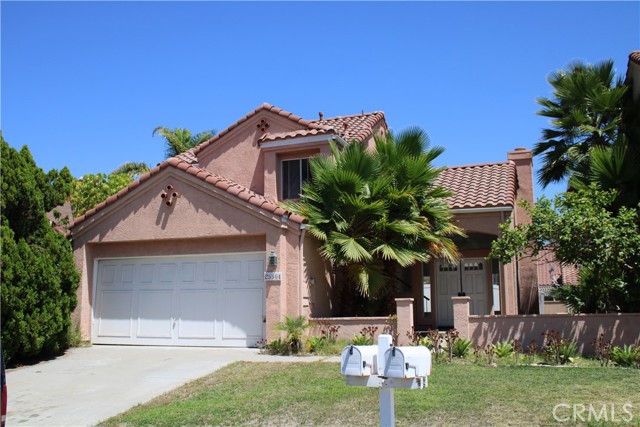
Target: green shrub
{"x": 315, "y": 344}
{"x": 361, "y": 339}
{"x": 627, "y": 356}
{"x": 556, "y": 349}
{"x": 461, "y": 347}
{"x": 502, "y": 349}
{"x": 277, "y": 347}
{"x": 294, "y": 327}
{"x": 39, "y": 277}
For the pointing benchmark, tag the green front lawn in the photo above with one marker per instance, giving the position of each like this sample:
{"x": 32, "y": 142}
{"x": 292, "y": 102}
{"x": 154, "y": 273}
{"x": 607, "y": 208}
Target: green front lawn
{"x": 310, "y": 394}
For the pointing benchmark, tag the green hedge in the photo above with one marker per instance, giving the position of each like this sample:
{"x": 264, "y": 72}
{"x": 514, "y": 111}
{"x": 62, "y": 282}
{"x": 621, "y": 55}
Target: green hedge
{"x": 39, "y": 278}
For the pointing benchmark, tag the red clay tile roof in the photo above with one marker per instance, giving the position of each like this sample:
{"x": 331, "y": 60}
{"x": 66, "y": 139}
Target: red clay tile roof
{"x": 265, "y": 107}
{"x": 217, "y": 181}
{"x": 294, "y": 134}
{"x": 357, "y": 127}
{"x": 480, "y": 186}
{"x": 562, "y": 274}
{"x": 635, "y": 56}
{"x": 188, "y": 156}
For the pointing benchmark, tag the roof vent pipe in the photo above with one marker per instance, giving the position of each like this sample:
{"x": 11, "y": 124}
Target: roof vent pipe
{"x": 320, "y": 115}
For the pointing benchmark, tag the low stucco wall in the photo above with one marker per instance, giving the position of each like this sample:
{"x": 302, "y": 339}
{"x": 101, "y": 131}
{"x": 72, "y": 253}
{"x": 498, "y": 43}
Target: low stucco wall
{"x": 583, "y": 329}
{"x": 350, "y": 326}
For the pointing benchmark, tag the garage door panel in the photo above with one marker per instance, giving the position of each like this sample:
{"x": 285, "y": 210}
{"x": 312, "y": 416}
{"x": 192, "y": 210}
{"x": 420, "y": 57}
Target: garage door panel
{"x": 155, "y": 310}
{"x": 115, "y": 309}
{"x": 197, "y": 314}
{"x": 232, "y": 271}
{"x": 210, "y": 272}
{"x": 167, "y": 273}
{"x": 188, "y": 271}
{"x": 146, "y": 273}
{"x": 127, "y": 274}
{"x": 255, "y": 270}
{"x": 243, "y": 313}
{"x": 108, "y": 275}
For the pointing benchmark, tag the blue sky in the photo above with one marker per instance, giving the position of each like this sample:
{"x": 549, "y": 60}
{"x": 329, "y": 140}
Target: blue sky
{"x": 85, "y": 83}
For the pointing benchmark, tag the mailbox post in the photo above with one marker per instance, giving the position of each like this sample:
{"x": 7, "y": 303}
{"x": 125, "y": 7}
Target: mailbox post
{"x": 387, "y": 398}
{"x": 386, "y": 367}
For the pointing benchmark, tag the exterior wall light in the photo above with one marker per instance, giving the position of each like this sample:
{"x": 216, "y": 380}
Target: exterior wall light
{"x": 273, "y": 259}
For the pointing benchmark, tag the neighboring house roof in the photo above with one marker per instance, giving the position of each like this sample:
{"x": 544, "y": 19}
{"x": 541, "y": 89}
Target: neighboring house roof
{"x": 217, "y": 181}
{"x": 635, "y": 56}
{"x": 562, "y": 274}
{"x": 64, "y": 210}
{"x": 480, "y": 186}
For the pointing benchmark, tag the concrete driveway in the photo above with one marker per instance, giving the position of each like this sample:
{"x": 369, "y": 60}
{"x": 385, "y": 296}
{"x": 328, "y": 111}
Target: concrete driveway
{"x": 88, "y": 385}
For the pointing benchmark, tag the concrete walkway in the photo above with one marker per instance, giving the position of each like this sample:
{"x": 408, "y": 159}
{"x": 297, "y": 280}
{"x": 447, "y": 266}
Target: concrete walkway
{"x": 88, "y": 385}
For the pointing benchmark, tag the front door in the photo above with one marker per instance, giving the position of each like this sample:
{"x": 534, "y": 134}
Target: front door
{"x": 468, "y": 276}
{"x": 474, "y": 284}
{"x": 447, "y": 286}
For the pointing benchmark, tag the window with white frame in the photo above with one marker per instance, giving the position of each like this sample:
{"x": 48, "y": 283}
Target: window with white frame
{"x": 294, "y": 173}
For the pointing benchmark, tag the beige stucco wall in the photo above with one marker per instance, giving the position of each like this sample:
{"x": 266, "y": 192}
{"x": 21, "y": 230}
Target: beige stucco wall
{"x": 202, "y": 220}
{"x": 583, "y": 329}
{"x": 240, "y": 157}
{"x": 350, "y": 326}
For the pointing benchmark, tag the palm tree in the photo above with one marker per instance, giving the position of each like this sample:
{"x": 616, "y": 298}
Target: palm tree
{"x": 375, "y": 211}
{"x": 586, "y": 112}
{"x": 132, "y": 169}
{"x": 613, "y": 168}
{"x": 180, "y": 140}
{"x": 294, "y": 328}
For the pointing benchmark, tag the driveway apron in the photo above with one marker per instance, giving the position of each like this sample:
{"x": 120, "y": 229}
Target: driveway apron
{"x": 88, "y": 385}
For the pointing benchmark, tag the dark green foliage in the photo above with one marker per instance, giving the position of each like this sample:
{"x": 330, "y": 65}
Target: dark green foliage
{"x": 627, "y": 356}
{"x": 581, "y": 230}
{"x": 93, "y": 189}
{"x": 294, "y": 328}
{"x": 39, "y": 278}
{"x": 461, "y": 347}
{"x": 585, "y": 112}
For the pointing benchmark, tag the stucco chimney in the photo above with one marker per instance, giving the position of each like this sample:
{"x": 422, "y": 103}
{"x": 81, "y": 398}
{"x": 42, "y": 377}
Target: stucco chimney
{"x": 523, "y": 160}
{"x": 526, "y": 270}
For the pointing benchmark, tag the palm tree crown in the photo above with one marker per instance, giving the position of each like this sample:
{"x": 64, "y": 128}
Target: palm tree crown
{"x": 586, "y": 112}
{"x": 180, "y": 140}
{"x": 375, "y": 210}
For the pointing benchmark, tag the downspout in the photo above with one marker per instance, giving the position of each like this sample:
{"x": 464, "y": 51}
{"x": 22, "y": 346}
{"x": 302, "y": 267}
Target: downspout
{"x": 303, "y": 228}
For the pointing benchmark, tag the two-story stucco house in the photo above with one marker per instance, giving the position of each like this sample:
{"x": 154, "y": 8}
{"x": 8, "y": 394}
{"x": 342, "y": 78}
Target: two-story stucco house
{"x": 199, "y": 252}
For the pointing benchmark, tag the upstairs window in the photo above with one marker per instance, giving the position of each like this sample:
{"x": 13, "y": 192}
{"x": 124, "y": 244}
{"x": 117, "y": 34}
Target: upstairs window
{"x": 294, "y": 173}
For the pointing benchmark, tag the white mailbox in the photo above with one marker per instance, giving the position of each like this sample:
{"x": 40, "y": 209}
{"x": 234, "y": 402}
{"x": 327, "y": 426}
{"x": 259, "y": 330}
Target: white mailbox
{"x": 359, "y": 360}
{"x": 407, "y": 362}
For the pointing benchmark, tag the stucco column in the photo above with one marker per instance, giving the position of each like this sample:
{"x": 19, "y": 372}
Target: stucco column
{"x": 404, "y": 311}
{"x": 461, "y": 315}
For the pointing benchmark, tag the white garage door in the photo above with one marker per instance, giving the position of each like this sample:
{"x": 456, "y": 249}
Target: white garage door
{"x": 212, "y": 300}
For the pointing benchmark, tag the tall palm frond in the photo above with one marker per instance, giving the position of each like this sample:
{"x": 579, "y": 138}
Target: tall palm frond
{"x": 132, "y": 169}
{"x": 585, "y": 112}
{"x": 180, "y": 140}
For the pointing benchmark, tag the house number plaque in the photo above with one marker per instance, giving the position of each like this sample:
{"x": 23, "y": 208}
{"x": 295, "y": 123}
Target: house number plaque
{"x": 275, "y": 276}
